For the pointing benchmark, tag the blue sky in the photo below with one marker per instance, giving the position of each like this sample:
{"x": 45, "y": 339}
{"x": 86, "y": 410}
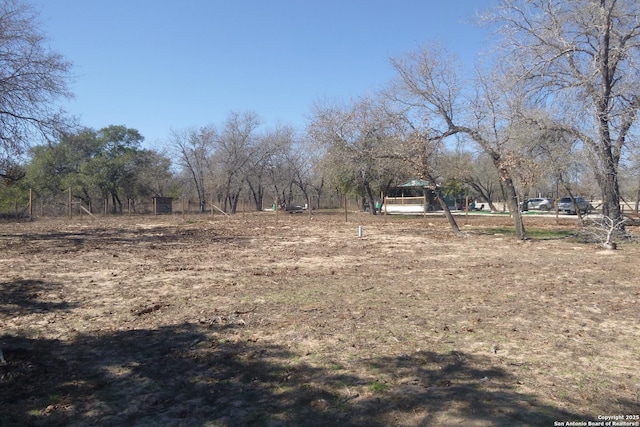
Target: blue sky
{"x": 158, "y": 65}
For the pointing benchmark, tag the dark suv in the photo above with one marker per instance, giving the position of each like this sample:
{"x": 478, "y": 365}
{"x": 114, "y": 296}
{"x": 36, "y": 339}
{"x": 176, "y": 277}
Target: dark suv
{"x": 566, "y": 205}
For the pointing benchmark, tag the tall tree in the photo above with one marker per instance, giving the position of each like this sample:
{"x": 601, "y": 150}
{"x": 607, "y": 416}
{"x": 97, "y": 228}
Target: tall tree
{"x": 479, "y": 173}
{"x": 236, "y": 151}
{"x": 356, "y": 136}
{"x": 194, "y": 150}
{"x": 113, "y": 166}
{"x": 581, "y": 61}
{"x": 430, "y": 84}
{"x": 57, "y": 166}
{"x": 269, "y": 166}
{"x": 420, "y": 151}
{"x": 152, "y": 176}
{"x": 301, "y": 160}
{"x": 32, "y": 78}
{"x": 96, "y": 164}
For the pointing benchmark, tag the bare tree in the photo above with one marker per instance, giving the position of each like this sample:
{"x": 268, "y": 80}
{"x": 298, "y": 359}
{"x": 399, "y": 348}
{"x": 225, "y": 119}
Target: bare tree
{"x": 479, "y": 173}
{"x": 194, "y": 148}
{"x": 256, "y": 178}
{"x": 308, "y": 175}
{"x": 279, "y": 175}
{"x": 428, "y": 82}
{"x": 268, "y": 163}
{"x": 582, "y": 58}
{"x": 236, "y": 151}
{"x": 355, "y": 136}
{"x": 303, "y": 161}
{"x": 420, "y": 150}
{"x": 32, "y": 78}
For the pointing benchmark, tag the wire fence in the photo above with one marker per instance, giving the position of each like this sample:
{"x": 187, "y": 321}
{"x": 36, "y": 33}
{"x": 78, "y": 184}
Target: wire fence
{"x": 29, "y": 205}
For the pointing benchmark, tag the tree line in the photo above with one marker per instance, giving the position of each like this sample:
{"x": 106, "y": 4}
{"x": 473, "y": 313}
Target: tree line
{"x": 551, "y": 111}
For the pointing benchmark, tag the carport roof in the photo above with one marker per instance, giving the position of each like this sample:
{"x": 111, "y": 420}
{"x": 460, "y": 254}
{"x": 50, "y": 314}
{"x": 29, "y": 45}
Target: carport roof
{"x": 416, "y": 183}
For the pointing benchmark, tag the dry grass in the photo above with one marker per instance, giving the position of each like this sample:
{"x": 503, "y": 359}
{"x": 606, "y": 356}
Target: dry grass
{"x": 292, "y": 321}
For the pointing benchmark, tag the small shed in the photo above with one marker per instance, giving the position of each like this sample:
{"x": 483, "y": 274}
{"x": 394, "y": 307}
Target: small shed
{"x": 162, "y": 205}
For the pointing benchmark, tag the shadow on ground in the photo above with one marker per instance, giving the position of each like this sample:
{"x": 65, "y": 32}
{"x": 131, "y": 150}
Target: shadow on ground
{"x": 23, "y": 296}
{"x": 205, "y": 374}
{"x": 132, "y": 235}
{"x": 191, "y": 375}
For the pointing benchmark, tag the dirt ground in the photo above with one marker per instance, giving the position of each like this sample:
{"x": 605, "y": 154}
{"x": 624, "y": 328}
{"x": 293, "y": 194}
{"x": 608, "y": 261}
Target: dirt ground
{"x": 292, "y": 320}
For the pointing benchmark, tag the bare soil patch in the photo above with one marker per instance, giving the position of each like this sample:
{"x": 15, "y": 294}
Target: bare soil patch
{"x": 277, "y": 321}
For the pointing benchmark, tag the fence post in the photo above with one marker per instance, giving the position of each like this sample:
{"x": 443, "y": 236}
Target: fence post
{"x": 70, "y": 205}
{"x": 384, "y": 206}
{"x": 466, "y": 210}
{"x": 424, "y": 206}
{"x": 345, "y": 209}
{"x": 30, "y": 204}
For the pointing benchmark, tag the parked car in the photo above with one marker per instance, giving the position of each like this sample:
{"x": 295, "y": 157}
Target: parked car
{"x": 540, "y": 203}
{"x": 566, "y": 205}
{"x": 294, "y": 209}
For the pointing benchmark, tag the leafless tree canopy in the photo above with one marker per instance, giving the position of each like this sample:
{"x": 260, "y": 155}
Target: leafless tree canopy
{"x": 557, "y": 104}
{"x": 581, "y": 62}
{"x": 358, "y": 138}
{"x": 484, "y": 111}
{"x": 32, "y": 79}
{"x": 193, "y": 148}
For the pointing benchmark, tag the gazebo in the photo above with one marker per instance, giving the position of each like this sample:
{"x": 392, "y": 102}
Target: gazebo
{"x": 414, "y": 197}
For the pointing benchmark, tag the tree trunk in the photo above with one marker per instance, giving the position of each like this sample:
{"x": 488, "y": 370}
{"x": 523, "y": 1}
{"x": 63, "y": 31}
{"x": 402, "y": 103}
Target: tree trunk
{"x": 117, "y": 203}
{"x": 233, "y": 200}
{"x": 259, "y": 198}
{"x": 486, "y": 194}
{"x": 573, "y": 201}
{"x": 447, "y": 213}
{"x": 512, "y": 203}
{"x": 525, "y": 202}
{"x": 611, "y": 194}
{"x": 504, "y": 194}
{"x": 443, "y": 203}
{"x": 492, "y": 207}
{"x": 370, "y": 198}
{"x": 318, "y": 190}
{"x": 228, "y": 196}
{"x": 257, "y": 194}
{"x": 637, "y": 198}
